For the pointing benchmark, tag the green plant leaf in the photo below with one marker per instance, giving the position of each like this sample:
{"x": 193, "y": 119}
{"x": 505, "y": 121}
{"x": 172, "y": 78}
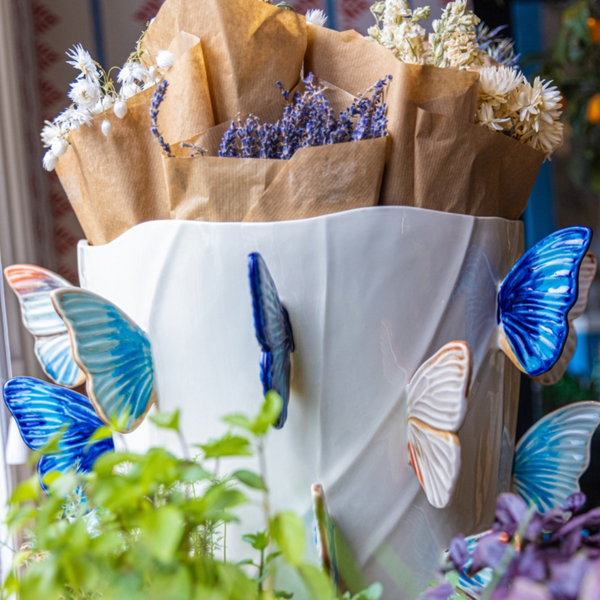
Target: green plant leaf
{"x": 317, "y": 584}
{"x": 287, "y": 529}
{"x": 249, "y": 478}
{"x": 162, "y": 530}
{"x": 268, "y": 415}
{"x": 27, "y": 491}
{"x": 167, "y": 420}
{"x": 373, "y": 592}
{"x": 102, "y": 433}
{"x": 259, "y": 541}
{"x": 229, "y": 445}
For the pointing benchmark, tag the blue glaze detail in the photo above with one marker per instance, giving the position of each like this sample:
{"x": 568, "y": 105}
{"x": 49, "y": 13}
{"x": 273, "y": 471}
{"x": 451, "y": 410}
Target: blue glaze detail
{"x": 273, "y": 332}
{"x": 553, "y": 454}
{"x": 537, "y": 295}
{"x": 113, "y": 352}
{"x": 41, "y": 410}
{"x": 476, "y": 584}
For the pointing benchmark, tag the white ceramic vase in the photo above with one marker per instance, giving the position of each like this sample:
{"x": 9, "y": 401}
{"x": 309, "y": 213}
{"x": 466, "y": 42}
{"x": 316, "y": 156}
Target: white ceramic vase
{"x": 371, "y": 294}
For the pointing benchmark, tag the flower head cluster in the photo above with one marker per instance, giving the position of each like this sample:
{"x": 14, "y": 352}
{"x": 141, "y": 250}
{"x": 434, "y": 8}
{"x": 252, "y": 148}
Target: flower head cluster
{"x": 308, "y": 120}
{"x": 454, "y": 39}
{"x": 527, "y": 112}
{"x": 551, "y": 556}
{"x": 398, "y": 30}
{"x": 93, "y": 93}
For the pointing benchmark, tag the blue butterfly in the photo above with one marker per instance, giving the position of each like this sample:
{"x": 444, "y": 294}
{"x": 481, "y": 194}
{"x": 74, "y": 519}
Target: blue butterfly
{"x": 536, "y": 297}
{"x": 549, "y": 460}
{"x": 42, "y": 410}
{"x": 273, "y": 332}
{"x": 551, "y": 457}
{"x": 33, "y": 286}
{"x": 113, "y": 352}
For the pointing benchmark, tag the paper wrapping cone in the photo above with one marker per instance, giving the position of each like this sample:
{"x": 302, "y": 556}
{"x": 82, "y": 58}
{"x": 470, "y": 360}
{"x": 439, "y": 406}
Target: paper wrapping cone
{"x": 116, "y": 182}
{"x": 315, "y": 181}
{"x": 437, "y": 157}
{"x": 248, "y": 46}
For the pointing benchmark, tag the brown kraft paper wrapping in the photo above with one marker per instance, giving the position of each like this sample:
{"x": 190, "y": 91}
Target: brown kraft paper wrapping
{"x": 315, "y": 181}
{"x": 115, "y": 182}
{"x": 248, "y": 46}
{"x": 437, "y": 157}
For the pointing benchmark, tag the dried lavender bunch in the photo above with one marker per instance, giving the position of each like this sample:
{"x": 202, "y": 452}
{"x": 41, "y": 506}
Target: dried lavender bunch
{"x": 157, "y": 100}
{"x": 308, "y": 120}
{"x": 550, "y": 556}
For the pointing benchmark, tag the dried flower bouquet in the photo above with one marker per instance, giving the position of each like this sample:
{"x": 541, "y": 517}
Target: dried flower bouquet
{"x": 465, "y": 134}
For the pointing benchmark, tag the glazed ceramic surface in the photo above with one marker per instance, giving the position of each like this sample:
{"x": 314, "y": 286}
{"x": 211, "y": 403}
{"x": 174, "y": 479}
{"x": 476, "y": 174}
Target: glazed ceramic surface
{"x": 371, "y": 295}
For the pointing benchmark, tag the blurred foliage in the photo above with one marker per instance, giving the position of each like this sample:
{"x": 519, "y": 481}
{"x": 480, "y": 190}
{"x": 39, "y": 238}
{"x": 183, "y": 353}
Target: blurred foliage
{"x": 573, "y": 63}
{"x": 571, "y": 389}
{"x": 154, "y": 526}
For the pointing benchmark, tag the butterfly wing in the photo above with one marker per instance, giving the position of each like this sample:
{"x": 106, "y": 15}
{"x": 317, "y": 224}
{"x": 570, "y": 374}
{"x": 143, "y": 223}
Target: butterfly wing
{"x": 325, "y": 535}
{"x": 33, "y": 286}
{"x": 113, "y": 352}
{"x": 587, "y": 272}
{"x": 437, "y": 405}
{"x": 42, "y": 410}
{"x": 536, "y": 297}
{"x": 273, "y": 332}
{"x": 554, "y": 453}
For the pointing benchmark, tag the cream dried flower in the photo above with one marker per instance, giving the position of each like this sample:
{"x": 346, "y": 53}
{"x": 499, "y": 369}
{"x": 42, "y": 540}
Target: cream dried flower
{"x": 164, "y": 59}
{"x": 82, "y": 60}
{"x": 496, "y": 83}
{"x": 487, "y": 117}
{"x": 317, "y": 17}
{"x": 50, "y": 161}
{"x": 85, "y": 93}
{"x": 50, "y": 132}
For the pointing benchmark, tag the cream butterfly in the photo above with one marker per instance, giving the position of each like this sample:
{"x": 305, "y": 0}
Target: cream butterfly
{"x": 437, "y": 405}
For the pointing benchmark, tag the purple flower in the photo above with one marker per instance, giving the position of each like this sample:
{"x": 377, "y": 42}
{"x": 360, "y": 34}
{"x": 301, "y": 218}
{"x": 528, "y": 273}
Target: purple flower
{"x": 444, "y": 591}
{"x": 489, "y": 551}
{"x": 575, "y": 503}
{"x": 567, "y": 577}
{"x": 459, "y": 553}
{"x": 590, "y": 587}
{"x": 157, "y": 100}
{"x": 524, "y": 589}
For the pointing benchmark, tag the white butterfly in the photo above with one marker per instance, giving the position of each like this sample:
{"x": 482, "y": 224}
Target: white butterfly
{"x": 437, "y": 405}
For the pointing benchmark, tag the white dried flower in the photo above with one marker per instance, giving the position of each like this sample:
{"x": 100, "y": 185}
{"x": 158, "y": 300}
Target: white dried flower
{"x": 72, "y": 118}
{"x": 85, "y": 93}
{"x": 487, "y": 117}
{"x": 128, "y": 91}
{"x": 120, "y": 108}
{"x": 50, "y": 161}
{"x": 133, "y": 73}
{"x": 59, "y": 146}
{"x": 50, "y": 132}
{"x": 81, "y": 60}
{"x": 164, "y": 59}
{"x": 155, "y": 76}
{"x": 496, "y": 83}
{"x": 316, "y": 16}
{"x": 106, "y": 127}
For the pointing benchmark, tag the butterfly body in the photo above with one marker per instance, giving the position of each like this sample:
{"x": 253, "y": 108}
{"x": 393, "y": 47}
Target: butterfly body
{"x": 42, "y": 410}
{"x": 273, "y": 331}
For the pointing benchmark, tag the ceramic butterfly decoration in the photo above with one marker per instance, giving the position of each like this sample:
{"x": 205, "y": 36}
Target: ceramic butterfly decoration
{"x": 549, "y": 460}
{"x": 325, "y": 535}
{"x": 273, "y": 332}
{"x": 33, "y": 286}
{"x": 436, "y": 400}
{"x": 42, "y": 410}
{"x": 537, "y": 298}
{"x": 113, "y": 352}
